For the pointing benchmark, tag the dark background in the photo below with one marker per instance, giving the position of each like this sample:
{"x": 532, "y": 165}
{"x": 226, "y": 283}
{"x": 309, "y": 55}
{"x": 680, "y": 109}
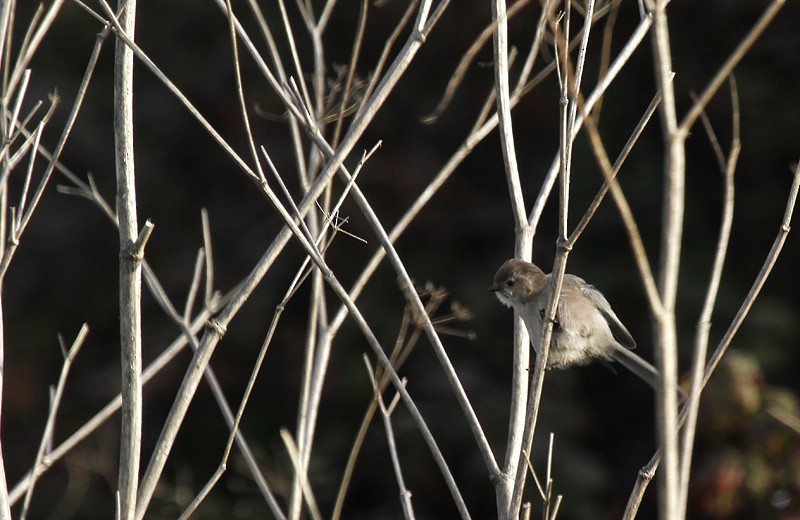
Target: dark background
{"x": 65, "y": 271}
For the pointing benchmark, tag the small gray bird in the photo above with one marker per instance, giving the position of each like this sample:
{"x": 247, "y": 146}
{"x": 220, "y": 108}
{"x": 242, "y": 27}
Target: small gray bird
{"x": 585, "y": 327}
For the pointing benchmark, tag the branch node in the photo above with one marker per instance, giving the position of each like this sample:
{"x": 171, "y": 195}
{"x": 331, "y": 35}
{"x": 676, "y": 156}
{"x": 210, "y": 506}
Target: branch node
{"x": 218, "y": 328}
{"x": 647, "y": 473}
{"x": 500, "y": 476}
{"x": 137, "y": 249}
{"x": 563, "y": 245}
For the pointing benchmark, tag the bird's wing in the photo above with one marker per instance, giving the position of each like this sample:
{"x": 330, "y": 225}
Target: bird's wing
{"x": 618, "y": 330}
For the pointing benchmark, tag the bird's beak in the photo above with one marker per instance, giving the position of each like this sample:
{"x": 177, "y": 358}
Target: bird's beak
{"x": 494, "y": 287}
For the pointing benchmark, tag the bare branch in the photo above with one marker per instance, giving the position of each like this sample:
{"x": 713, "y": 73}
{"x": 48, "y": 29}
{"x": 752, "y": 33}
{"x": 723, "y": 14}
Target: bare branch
{"x": 469, "y": 57}
{"x": 704, "y": 321}
{"x": 51, "y": 416}
{"x": 405, "y": 494}
{"x": 647, "y": 473}
{"x": 308, "y": 494}
{"x": 666, "y": 341}
{"x": 727, "y": 68}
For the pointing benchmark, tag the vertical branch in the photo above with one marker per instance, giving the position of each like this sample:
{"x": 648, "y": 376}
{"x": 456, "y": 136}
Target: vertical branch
{"x": 5, "y": 508}
{"x": 622, "y": 59}
{"x": 524, "y": 242}
{"x": 559, "y": 268}
{"x": 570, "y": 95}
{"x": 311, "y": 391}
{"x": 216, "y": 328}
{"x": 504, "y": 112}
{"x": 317, "y": 349}
{"x": 130, "y": 274}
{"x": 666, "y": 341}
{"x": 704, "y": 321}
{"x": 646, "y": 474}
{"x": 5, "y": 25}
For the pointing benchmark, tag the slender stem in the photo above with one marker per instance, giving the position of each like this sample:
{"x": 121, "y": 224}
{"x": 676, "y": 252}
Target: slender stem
{"x": 622, "y": 59}
{"x": 351, "y": 72}
{"x": 5, "y": 502}
{"x": 704, "y": 321}
{"x": 634, "y": 237}
{"x": 47, "y": 435}
{"x": 506, "y": 129}
{"x": 32, "y": 43}
{"x": 217, "y": 327}
{"x": 647, "y": 473}
{"x": 108, "y": 411}
{"x": 332, "y": 281}
{"x": 386, "y": 415}
{"x": 524, "y": 239}
{"x": 130, "y": 274}
{"x": 727, "y": 68}
{"x": 665, "y": 327}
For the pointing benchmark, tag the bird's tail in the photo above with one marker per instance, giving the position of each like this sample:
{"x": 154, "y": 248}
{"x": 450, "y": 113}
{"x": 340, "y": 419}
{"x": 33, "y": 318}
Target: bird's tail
{"x": 644, "y": 370}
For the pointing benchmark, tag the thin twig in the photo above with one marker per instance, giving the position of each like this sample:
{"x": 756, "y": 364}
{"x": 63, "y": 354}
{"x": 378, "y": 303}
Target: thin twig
{"x": 24, "y": 219}
{"x": 209, "y": 257}
{"x": 290, "y": 39}
{"x": 402, "y": 349}
{"x": 704, "y": 321}
{"x": 569, "y": 107}
{"x": 384, "y": 57}
{"x": 631, "y": 228}
{"x": 351, "y": 71}
{"x": 51, "y": 416}
{"x": 26, "y": 76}
{"x": 240, "y": 94}
{"x": 194, "y": 287}
{"x": 294, "y": 127}
{"x": 457, "y": 77}
{"x": 597, "y": 93}
{"x": 32, "y": 42}
{"x": 105, "y": 413}
{"x": 234, "y": 433}
{"x": 308, "y": 494}
{"x": 405, "y": 494}
{"x": 727, "y": 68}
{"x": 28, "y": 174}
{"x": 647, "y": 473}
{"x": 608, "y": 36}
{"x": 163, "y": 300}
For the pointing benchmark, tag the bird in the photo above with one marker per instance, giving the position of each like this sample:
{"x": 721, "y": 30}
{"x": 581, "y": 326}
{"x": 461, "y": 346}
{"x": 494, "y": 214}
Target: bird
{"x": 585, "y": 328}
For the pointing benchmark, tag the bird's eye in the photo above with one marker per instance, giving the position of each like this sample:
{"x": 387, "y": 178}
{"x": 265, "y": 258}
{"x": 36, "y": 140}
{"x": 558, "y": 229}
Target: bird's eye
{"x": 510, "y": 282}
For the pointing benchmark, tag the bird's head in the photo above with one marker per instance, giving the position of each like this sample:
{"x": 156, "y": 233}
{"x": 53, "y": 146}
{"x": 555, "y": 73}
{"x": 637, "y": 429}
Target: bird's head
{"x": 517, "y": 282}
